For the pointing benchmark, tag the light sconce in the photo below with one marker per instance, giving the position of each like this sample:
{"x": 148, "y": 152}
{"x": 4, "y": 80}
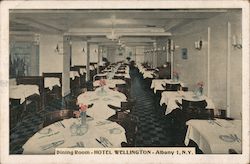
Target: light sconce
{"x": 198, "y": 45}
{"x": 236, "y": 42}
{"x": 171, "y": 44}
{"x": 57, "y": 50}
{"x": 83, "y": 50}
{"x": 36, "y": 39}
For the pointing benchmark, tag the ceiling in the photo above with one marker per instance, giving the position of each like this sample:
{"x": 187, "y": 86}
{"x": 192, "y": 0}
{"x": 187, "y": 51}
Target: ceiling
{"x": 137, "y": 26}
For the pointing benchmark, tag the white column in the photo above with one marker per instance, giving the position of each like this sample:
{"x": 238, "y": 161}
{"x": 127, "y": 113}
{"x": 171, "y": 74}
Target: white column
{"x": 98, "y": 60}
{"x": 87, "y": 65}
{"x": 66, "y": 67}
{"x": 228, "y": 66}
{"x": 172, "y": 62}
{"x": 208, "y": 61}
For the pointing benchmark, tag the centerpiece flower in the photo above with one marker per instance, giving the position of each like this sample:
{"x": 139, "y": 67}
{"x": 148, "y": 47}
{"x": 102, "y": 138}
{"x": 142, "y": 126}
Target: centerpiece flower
{"x": 200, "y": 85}
{"x": 175, "y": 76}
{"x": 102, "y": 82}
{"x": 82, "y": 128}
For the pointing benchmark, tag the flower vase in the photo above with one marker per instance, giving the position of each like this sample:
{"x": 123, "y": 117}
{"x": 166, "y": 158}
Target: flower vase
{"x": 83, "y": 127}
{"x": 102, "y": 89}
{"x": 201, "y": 91}
{"x": 175, "y": 78}
{"x": 83, "y": 118}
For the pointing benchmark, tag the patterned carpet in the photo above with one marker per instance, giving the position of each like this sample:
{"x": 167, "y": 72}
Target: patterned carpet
{"x": 151, "y": 126}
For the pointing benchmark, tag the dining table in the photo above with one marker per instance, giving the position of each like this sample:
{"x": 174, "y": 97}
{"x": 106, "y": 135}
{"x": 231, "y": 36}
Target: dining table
{"x": 111, "y": 83}
{"x": 50, "y": 82}
{"x": 101, "y": 98}
{"x": 125, "y": 75}
{"x": 99, "y": 134}
{"x": 170, "y": 97}
{"x": 157, "y": 84}
{"x": 22, "y": 91}
{"x": 215, "y": 136}
{"x": 74, "y": 74}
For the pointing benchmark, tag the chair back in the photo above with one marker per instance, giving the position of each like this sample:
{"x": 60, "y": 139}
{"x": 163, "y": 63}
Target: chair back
{"x": 130, "y": 125}
{"x": 122, "y": 88}
{"x": 172, "y": 87}
{"x": 164, "y": 73}
{"x": 119, "y": 77}
{"x": 197, "y": 110}
{"x": 97, "y": 77}
{"x": 58, "y": 115}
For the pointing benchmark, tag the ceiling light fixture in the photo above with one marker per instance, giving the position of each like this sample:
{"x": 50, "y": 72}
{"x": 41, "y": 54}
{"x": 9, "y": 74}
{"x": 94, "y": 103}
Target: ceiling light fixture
{"x": 112, "y": 36}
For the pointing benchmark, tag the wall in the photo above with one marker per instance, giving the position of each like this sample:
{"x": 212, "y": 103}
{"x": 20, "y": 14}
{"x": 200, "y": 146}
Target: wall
{"x": 195, "y": 68}
{"x": 139, "y": 54}
{"x": 23, "y": 47}
{"x": 78, "y": 56}
{"x": 66, "y": 67}
{"x": 113, "y": 54}
{"x": 93, "y": 49}
{"x": 50, "y": 61}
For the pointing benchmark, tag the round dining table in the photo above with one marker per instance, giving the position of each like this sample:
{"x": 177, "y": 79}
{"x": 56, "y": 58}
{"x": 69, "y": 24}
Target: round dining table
{"x": 100, "y": 101}
{"x": 111, "y": 83}
{"x": 100, "y": 134}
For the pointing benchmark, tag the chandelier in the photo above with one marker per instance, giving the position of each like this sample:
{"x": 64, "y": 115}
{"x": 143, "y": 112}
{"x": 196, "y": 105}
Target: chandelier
{"x": 112, "y": 36}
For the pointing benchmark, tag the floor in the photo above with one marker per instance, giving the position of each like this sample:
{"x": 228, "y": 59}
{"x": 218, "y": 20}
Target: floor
{"x": 152, "y": 131}
{"x": 151, "y": 126}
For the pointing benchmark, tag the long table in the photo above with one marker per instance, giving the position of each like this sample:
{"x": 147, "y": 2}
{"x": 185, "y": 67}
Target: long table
{"x": 100, "y": 101}
{"x": 169, "y": 98}
{"x": 157, "y": 84}
{"x": 56, "y": 136}
{"x": 215, "y": 136}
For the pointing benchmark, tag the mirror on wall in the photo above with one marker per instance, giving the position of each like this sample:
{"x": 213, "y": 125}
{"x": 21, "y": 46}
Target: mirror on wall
{"x": 24, "y": 59}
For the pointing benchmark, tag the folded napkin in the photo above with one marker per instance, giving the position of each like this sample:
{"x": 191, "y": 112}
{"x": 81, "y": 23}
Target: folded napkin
{"x": 226, "y": 123}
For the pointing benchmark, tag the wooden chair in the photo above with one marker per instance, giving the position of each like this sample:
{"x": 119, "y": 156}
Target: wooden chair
{"x": 232, "y": 151}
{"x": 123, "y": 89}
{"x": 119, "y": 77}
{"x": 120, "y": 114}
{"x": 131, "y": 128}
{"x": 196, "y": 109}
{"x": 100, "y": 77}
{"x": 172, "y": 87}
{"x": 58, "y": 115}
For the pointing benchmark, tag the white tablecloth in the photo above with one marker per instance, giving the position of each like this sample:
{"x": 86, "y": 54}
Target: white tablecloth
{"x": 96, "y": 129}
{"x": 126, "y": 75}
{"x": 23, "y": 91}
{"x": 169, "y": 97}
{"x": 100, "y": 74}
{"x": 91, "y": 67}
{"x": 157, "y": 84}
{"x": 110, "y": 82}
{"x": 49, "y": 82}
{"x": 74, "y": 74}
{"x": 148, "y": 74}
{"x": 82, "y": 71}
{"x": 101, "y": 101}
{"x": 145, "y": 72}
{"x": 214, "y": 138}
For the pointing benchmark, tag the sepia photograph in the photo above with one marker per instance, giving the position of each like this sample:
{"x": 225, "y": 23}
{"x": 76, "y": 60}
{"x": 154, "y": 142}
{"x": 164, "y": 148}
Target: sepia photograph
{"x": 85, "y": 81}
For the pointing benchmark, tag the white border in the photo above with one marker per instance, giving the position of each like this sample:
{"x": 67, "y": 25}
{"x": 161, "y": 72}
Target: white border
{"x": 4, "y": 65}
